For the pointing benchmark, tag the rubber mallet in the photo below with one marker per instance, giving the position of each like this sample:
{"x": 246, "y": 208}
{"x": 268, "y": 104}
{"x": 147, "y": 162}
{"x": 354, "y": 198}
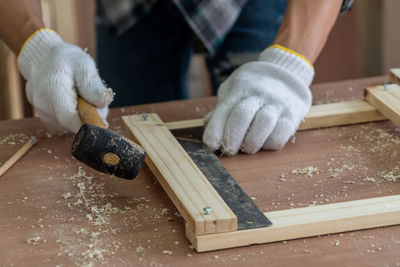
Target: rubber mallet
{"x": 102, "y": 149}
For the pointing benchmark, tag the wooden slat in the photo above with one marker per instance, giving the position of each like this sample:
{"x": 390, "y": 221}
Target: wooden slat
{"x": 324, "y": 115}
{"x": 307, "y": 222}
{"x": 11, "y": 89}
{"x": 338, "y": 114}
{"x": 386, "y": 99}
{"x": 176, "y": 125}
{"x": 184, "y": 183}
{"x": 394, "y": 76}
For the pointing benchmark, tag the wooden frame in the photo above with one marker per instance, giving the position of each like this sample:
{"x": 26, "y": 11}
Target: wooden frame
{"x": 386, "y": 98}
{"x": 156, "y": 139}
{"x": 325, "y": 115}
{"x": 184, "y": 183}
{"x": 307, "y": 222}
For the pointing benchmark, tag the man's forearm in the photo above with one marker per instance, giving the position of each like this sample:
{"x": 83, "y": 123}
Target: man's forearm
{"x": 306, "y": 26}
{"x": 18, "y": 20}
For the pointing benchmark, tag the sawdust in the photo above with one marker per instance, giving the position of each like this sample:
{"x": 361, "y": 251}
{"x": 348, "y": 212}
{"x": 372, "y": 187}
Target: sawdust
{"x": 367, "y": 145}
{"x": 14, "y": 139}
{"x": 91, "y": 228}
{"x": 91, "y": 254}
{"x": 167, "y": 252}
{"x": 34, "y": 240}
{"x": 366, "y": 156}
{"x": 336, "y": 242}
{"x": 307, "y": 171}
{"x": 67, "y": 195}
{"x": 369, "y": 179}
{"x": 391, "y": 175}
{"x": 87, "y": 197}
{"x": 334, "y": 172}
{"x": 382, "y": 146}
{"x": 90, "y": 202}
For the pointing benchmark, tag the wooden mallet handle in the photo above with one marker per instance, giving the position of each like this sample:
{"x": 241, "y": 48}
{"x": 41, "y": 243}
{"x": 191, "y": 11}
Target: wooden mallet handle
{"x": 102, "y": 149}
{"x": 89, "y": 114}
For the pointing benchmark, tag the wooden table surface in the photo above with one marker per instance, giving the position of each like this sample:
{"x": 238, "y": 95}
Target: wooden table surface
{"x": 56, "y": 211}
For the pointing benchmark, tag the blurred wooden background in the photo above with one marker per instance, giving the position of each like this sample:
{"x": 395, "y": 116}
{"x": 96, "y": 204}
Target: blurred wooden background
{"x": 364, "y": 42}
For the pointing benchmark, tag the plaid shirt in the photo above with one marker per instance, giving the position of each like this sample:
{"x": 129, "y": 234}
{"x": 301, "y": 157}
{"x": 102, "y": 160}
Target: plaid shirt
{"x": 209, "y": 19}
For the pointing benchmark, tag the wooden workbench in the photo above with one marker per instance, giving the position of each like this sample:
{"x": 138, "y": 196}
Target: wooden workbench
{"x": 56, "y": 211}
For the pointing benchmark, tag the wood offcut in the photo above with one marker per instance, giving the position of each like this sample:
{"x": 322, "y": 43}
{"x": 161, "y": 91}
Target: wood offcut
{"x": 19, "y": 154}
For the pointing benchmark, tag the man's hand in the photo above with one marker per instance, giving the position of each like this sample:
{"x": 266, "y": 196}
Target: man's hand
{"x": 261, "y": 104}
{"x": 56, "y": 72}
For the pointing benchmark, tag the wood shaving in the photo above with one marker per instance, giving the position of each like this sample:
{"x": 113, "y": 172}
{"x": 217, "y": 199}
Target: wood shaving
{"x": 336, "y": 242}
{"x": 167, "y": 252}
{"x": 369, "y": 179}
{"x": 307, "y": 171}
{"x": 67, "y": 195}
{"x": 92, "y": 204}
{"x": 33, "y": 240}
{"x": 93, "y": 254}
{"x": 392, "y": 175}
{"x": 14, "y": 139}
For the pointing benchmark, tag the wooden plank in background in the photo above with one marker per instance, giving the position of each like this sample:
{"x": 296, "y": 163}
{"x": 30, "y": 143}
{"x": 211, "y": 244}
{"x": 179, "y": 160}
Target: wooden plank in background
{"x": 394, "y": 75}
{"x": 11, "y": 90}
{"x": 182, "y": 180}
{"x": 338, "y": 114}
{"x": 324, "y": 115}
{"x": 386, "y": 98}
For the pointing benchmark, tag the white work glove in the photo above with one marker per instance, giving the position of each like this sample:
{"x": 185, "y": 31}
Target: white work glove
{"x": 55, "y": 73}
{"x": 261, "y": 104}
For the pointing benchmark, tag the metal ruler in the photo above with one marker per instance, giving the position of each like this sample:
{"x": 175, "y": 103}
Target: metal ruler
{"x": 247, "y": 213}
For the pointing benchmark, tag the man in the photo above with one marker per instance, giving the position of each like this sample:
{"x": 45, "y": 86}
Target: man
{"x": 260, "y": 105}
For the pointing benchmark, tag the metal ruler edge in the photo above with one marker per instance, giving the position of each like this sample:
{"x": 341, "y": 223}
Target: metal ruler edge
{"x": 248, "y": 214}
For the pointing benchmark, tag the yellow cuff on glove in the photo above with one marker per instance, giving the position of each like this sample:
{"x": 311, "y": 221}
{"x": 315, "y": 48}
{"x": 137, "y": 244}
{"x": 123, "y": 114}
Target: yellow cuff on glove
{"x": 30, "y": 37}
{"x": 292, "y": 52}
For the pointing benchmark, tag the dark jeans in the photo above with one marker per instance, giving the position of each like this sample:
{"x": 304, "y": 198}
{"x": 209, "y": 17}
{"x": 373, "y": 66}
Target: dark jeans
{"x": 149, "y": 62}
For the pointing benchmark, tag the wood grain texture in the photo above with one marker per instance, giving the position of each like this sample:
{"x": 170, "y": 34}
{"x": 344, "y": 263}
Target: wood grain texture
{"x": 305, "y": 222}
{"x": 147, "y": 227}
{"x": 319, "y": 116}
{"x": 176, "y": 125}
{"x": 339, "y": 114}
{"x": 386, "y": 99}
{"x": 88, "y": 113}
{"x": 309, "y": 221}
{"x": 394, "y": 75}
{"x": 184, "y": 183}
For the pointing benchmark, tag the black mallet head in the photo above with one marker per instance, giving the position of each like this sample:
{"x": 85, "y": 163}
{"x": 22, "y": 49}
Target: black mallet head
{"x": 107, "y": 151}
